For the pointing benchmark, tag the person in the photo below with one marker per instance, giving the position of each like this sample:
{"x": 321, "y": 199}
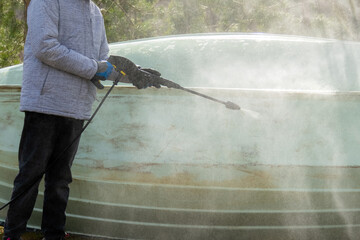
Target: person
{"x": 66, "y": 47}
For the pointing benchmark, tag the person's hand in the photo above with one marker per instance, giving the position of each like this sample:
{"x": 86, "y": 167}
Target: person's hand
{"x": 106, "y": 71}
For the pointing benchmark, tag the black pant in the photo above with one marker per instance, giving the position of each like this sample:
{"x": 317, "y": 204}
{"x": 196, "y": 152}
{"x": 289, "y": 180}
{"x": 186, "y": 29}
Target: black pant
{"x": 43, "y": 139}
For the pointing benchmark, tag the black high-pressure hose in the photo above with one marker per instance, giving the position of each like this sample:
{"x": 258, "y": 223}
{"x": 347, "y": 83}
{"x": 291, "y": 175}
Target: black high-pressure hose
{"x": 38, "y": 178}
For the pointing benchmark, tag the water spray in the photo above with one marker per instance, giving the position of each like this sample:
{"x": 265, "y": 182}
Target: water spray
{"x": 147, "y": 76}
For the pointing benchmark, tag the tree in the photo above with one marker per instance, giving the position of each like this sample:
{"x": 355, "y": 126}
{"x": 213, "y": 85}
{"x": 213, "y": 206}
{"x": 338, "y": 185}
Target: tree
{"x": 11, "y": 32}
{"x": 133, "y": 19}
{"x": 26, "y": 5}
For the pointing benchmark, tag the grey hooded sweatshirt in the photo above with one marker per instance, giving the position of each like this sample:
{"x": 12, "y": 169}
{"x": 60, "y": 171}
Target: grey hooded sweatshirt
{"x": 64, "y": 39}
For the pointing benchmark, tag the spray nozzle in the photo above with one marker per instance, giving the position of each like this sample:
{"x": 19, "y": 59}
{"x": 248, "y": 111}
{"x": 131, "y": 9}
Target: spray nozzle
{"x": 231, "y": 105}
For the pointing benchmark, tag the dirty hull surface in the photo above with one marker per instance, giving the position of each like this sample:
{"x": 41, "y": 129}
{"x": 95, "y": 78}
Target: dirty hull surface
{"x": 167, "y": 165}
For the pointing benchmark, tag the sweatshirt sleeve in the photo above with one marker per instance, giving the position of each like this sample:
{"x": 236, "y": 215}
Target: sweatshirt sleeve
{"x": 43, "y": 22}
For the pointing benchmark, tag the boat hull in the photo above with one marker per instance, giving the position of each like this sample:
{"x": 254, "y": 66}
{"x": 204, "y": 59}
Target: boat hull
{"x": 166, "y": 164}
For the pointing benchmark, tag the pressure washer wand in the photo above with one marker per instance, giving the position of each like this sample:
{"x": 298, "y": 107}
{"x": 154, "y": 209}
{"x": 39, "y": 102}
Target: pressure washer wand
{"x": 154, "y": 77}
{"x": 227, "y": 104}
{"x": 171, "y": 84}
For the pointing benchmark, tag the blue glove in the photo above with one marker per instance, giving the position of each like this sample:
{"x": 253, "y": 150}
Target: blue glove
{"x": 106, "y": 71}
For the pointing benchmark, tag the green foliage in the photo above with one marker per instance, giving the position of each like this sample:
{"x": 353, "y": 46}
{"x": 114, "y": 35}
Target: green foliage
{"x": 125, "y": 20}
{"x": 11, "y": 32}
{"x": 133, "y": 19}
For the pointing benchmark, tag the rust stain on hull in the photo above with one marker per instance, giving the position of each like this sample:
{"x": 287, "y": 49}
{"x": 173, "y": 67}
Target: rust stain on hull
{"x": 10, "y": 88}
{"x": 231, "y": 176}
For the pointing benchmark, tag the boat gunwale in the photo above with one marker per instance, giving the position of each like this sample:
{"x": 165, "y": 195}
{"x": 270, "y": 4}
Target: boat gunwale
{"x": 4, "y": 87}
